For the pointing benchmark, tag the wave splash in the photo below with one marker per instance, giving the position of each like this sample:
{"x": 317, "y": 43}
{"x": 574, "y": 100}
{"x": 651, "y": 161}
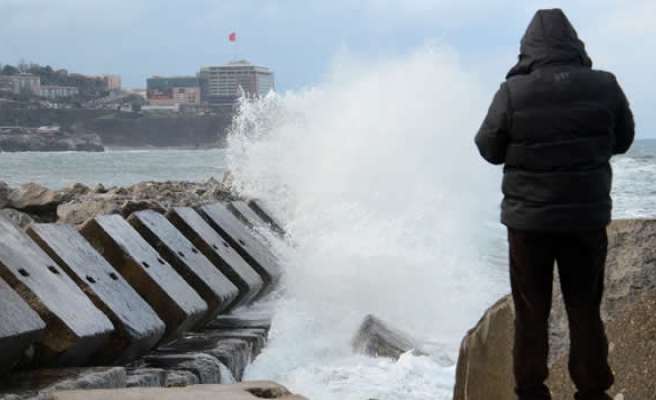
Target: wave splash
{"x": 390, "y": 212}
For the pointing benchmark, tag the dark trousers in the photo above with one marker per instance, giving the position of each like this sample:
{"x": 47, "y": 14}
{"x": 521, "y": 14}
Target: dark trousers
{"x": 581, "y": 258}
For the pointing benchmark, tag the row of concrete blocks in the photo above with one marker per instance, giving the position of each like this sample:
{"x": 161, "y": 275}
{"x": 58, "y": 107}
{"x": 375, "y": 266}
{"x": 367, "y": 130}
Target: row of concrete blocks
{"x": 111, "y": 291}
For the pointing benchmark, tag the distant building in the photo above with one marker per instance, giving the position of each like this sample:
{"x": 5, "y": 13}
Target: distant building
{"x": 168, "y": 91}
{"x": 112, "y": 82}
{"x": 21, "y": 83}
{"x": 58, "y": 92}
{"x": 223, "y": 84}
{"x": 138, "y": 92}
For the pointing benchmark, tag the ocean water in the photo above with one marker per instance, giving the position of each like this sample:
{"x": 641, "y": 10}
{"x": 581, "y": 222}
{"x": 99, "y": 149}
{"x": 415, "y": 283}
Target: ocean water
{"x": 390, "y": 211}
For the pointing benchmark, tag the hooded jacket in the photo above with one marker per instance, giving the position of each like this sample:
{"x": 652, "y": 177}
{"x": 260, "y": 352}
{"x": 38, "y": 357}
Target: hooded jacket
{"x": 555, "y": 123}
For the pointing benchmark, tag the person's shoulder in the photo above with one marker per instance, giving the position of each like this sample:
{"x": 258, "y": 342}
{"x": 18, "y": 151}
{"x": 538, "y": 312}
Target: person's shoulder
{"x": 603, "y": 76}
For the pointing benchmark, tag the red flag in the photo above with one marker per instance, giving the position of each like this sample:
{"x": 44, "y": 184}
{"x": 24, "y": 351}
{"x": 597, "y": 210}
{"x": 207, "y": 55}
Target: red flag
{"x": 233, "y": 37}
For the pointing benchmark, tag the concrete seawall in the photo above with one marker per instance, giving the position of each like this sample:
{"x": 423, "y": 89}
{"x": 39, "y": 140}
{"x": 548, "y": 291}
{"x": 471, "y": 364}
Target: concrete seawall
{"x": 130, "y": 302}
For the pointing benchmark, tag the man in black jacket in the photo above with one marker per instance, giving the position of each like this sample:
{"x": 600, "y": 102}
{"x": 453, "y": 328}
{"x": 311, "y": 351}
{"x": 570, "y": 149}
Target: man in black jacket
{"x": 555, "y": 123}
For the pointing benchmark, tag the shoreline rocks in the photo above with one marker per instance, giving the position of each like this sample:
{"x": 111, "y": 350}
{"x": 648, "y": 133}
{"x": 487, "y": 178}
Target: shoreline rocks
{"x": 65, "y": 142}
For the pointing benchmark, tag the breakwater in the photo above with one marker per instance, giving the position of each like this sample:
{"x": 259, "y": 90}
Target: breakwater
{"x": 144, "y": 294}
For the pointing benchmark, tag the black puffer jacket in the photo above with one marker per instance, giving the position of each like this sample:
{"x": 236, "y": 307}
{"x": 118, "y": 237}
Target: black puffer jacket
{"x": 555, "y": 123}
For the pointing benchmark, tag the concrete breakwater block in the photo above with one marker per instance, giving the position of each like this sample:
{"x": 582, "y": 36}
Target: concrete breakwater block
{"x": 238, "y": 391}
{"x": 138, "y": 328}
{"x": 266, "y": 215}
{"x": 218, "y": 291}
{"x": 75, "y": 327}
{"x": 377, "y": 339}
{"x": 174, "y": 301}
{"x": 247, "y": 215}
{"x": 40, "y": 384}
{"x": 20, "y": 326}
{"x": 250, "y": 248}
{"x": 218, "y": 251}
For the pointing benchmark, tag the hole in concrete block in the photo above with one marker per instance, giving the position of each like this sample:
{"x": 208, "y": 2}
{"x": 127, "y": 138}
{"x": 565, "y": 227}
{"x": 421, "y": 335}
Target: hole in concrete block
{"x": 194, "y": 250}
{"x": 159, "y": 260}
{"x": 225, "y": 244}
{"x": 90, "y": 279}
{"x": 23, "y": 272}
{"x": 215, "y": 247}
{"x": 181, "y": 254}
{"x": 266, "y": 393}
{"x": 113, "y": 276}
{"x": 53, "y": 269}
{"x": 145, "y": 264}
{"x": 241, "y": 242}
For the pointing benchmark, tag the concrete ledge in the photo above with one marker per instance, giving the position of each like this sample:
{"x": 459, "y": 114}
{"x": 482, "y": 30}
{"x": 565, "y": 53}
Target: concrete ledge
{"x": 75, "y": 327}
{"x": 217, "y": 290}
{"x": 138, "y": 328}
{"x": 20, "y": 327}
{"x": 242, "y": 240}
{"x": 174, "y": 301}
{"x": 240, "y": 391}
{"x": 219, "y": 252}
{"x": 267, "y": 216}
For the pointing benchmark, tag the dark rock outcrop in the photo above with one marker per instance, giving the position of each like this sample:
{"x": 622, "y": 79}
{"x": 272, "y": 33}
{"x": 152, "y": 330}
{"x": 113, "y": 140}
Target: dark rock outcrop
{"x": 35, "y": 142}
{"x": 376, "y": 339}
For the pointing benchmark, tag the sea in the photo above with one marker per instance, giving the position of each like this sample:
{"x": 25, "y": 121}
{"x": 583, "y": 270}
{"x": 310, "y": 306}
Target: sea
{"x": 389, "y": 211}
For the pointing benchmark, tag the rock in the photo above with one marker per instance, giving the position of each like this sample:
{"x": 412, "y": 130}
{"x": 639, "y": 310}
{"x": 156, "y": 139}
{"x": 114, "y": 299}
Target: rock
{"x": 485, "y": 366}
{"x": 75, "y": 327}
{"x": 240, "y": 391}
{"x": 35, "y": 199}
{"x": 147, "y": 377}
{"x": 484, "y": 369}
{"x": 64, "y": 142}
{"x": 632, "y": 339}
{"x": 40, "y": 384}
{"x": 137, "y": 326}
{"x": 176, "y": 378}
{"x": 258, "y": 255}
{"x": 76, "y": 188}
{"x": 207, "y": 368}
{"x": 118, "y": 191}
{"x": 5, "y": 190}
{"x": 131, "y": 206}
{"x": 21, "y": 219}
{"x": 174, "y": 301}
{"x": 19, "y": 329}
{"x": 376, "y": 339}
{"x": 78, "y": 212}
{"x": 99, "y": 188}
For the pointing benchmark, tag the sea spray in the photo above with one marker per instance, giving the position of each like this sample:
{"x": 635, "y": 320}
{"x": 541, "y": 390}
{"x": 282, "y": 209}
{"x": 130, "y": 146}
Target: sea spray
{"x": 391, "y": 212}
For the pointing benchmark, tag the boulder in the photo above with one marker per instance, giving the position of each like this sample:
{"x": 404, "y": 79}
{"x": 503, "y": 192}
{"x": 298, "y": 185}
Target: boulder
{"x": 72, "y": 190}
{"x": 147, "y": 377}
{"x": 78, "y": 212}
{"x": 627, "y": 308}
{"x": 206, "y": 368}
{"x": 5, "y": 190}
{"x": 131, "y": 206}
{"x": 375, "y": 338}
{"x": 34, "y": 199}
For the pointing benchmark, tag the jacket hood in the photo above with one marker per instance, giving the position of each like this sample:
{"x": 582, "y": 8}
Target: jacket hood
{"x": 550, "y": 39}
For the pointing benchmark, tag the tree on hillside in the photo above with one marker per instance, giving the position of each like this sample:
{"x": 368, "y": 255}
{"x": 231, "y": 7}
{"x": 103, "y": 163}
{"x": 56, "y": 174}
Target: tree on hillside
{"x": 9, "y": 70}
{"x": 23, "y": 66}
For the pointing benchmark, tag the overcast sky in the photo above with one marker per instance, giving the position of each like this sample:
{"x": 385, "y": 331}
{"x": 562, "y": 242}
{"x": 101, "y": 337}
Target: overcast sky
{"x": 298, "y": 39}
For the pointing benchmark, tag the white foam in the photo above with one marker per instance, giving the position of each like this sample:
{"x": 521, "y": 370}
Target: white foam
{"x": 391, "y": 212}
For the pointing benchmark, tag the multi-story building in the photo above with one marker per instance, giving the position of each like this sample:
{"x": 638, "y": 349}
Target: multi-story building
{"x": 58, "y": 92}
{"x": 21, "y": 84}
{"x": 224, "y": 84}
{"x": 112, "y": 82}
{"x": 169, "y": 91}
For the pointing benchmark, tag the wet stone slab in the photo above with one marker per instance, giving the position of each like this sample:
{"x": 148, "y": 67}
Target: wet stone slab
{"x": 242, "y": 240}
{"x": 239, "y": 322}
{"x": 266, "y": 215}
{"x": 147, "y": 377}
{"x": 239, "y": 391}
{"x": 174, "y": 301}
{"x": 20, "y": 327}
{"x": 218, "y": 291}
{"x": 40, "y": 384}
{"x": 219, "y": 252}
{"x": 75, "y": 327}
{"x": 207, "y": 369}
{"x": 138, "y": 328}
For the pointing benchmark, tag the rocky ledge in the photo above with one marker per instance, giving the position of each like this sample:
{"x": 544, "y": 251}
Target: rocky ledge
{"x": 63, "y": 142}
{"x": 484, "y": 368}
{"x": 76, "y": 203}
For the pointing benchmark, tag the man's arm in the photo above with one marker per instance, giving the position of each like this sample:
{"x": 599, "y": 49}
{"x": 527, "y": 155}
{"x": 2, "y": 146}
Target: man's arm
{"x": 624, "y": 124}
{"x": 492, "y": 139}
